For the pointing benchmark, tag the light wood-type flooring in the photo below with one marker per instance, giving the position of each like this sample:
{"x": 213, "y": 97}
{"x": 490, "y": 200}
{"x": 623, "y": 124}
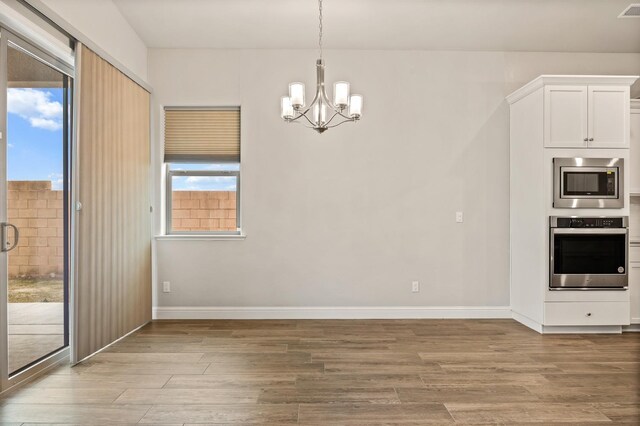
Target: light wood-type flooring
{"x": 351, "y": 372}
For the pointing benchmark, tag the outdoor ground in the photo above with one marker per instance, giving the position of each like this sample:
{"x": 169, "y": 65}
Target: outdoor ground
{"x": 35, "y": 290}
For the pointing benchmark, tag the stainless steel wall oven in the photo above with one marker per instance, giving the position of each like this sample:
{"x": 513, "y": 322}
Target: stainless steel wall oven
{"x": 588, "y": 252}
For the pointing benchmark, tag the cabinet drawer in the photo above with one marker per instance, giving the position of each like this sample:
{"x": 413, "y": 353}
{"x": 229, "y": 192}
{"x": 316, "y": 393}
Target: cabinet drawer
{"x": 586, "y": 313}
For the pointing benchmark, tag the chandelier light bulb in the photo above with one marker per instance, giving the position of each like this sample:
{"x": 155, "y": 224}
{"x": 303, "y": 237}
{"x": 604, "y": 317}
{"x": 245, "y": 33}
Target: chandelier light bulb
{"x": 355, "y": 106}
{"x": 296, "y": 93}
{"x": 286, "y": 111}
{"x": 320, "y": 113}
{"x": 341, "y": 94}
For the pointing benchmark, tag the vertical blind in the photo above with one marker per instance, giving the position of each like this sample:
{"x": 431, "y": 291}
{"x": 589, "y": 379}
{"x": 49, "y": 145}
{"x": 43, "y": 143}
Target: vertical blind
{"x": 113, "y": 254}
{"x": 202, "y": 135}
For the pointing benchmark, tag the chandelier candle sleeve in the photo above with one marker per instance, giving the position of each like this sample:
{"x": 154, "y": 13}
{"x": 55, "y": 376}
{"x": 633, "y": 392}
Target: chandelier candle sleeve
{"x": 355, "y": 106}
{"x": 341, "y": 94}
{"x": 287, "y": 108}
{"x": 296, "y": 93}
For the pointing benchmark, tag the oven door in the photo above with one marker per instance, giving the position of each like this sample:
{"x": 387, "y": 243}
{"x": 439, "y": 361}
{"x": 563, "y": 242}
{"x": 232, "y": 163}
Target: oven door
{"x": 588, "y": 258}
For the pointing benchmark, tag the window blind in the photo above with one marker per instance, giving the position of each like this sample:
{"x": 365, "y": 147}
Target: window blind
{"x": 113, "y": 252}
{"x": 201, "y": 135}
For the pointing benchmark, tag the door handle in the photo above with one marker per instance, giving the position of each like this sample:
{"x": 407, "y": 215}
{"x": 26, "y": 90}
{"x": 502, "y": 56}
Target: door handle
{"x": 3, "y": 236}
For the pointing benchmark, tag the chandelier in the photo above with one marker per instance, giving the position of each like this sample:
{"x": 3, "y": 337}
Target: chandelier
{"x": 321, "y": 114}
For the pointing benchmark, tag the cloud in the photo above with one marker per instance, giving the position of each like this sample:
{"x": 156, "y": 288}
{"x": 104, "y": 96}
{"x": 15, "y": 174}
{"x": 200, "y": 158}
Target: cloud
{"x": 204, "y": 183}
{"x": 35, "y": 106}
{"x": 57, "y": 181}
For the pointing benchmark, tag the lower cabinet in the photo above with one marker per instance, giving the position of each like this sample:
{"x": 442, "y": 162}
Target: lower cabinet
{"x": 634, "y": 291}
{"x": 586, "y": 313}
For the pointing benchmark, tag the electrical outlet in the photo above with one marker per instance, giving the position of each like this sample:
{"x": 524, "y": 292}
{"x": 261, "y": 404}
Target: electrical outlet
{"x": 415, "y": 286}
{"x": 459, "y": 217}
{"x": 166, "y": 287}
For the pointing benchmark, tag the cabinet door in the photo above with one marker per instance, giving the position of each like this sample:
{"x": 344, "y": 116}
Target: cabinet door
{"x": 635, "y": 151}
{"x": 608, "y": 116}
{"x": 634, "y": 292}
{"x": 565, "y": 116}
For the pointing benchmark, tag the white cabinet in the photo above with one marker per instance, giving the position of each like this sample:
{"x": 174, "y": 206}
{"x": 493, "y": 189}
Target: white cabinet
{"x": 586, "y": 116}
{"x": 608, "y": 116}
{"x": 565, "y": 116}
{"x": 586, "y": 313}
{"x": 554, "y": 116}
{"x": 634, "y": 291}
{"x": 635, "y": 147}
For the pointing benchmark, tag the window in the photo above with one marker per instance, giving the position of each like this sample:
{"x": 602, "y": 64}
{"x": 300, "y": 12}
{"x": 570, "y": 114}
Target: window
{"x": 202, "y": 152}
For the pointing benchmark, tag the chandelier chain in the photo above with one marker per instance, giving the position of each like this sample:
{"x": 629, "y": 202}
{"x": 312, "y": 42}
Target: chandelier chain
{"x": 320, "y": 27}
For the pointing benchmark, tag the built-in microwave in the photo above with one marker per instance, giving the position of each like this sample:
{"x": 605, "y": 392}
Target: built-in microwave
{"x": 588, "y": 183}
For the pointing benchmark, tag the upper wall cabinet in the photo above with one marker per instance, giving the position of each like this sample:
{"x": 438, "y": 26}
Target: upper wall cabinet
{"x": 635, "y": 149}
{"x": 608, "y": 116}
{"x": 565, "y": 116}
{"x": 581, "y": 111}
{"x": 586, "y": 116}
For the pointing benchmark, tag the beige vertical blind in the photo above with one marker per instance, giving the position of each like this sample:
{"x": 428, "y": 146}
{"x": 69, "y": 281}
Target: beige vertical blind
{"x": 202, "y": 135}
{"x": 113, "y": 272}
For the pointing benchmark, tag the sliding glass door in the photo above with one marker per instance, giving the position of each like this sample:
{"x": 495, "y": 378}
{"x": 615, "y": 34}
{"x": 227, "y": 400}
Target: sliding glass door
{"x": 34, "y": 205}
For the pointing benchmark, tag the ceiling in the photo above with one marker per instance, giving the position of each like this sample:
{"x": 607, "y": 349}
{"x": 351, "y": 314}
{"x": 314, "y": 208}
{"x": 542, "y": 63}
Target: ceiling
{"x": 509, "y": 25}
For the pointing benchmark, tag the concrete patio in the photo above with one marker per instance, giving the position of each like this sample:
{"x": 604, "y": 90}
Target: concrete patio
{"x": 35, "y": 330}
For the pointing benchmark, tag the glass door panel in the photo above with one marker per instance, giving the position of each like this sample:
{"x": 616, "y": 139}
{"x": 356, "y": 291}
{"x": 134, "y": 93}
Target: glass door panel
{"x": 34, "y": 233}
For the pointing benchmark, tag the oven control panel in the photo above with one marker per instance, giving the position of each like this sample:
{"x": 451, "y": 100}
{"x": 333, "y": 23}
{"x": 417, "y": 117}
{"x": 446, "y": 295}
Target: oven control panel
{"x": 591, "y": 222}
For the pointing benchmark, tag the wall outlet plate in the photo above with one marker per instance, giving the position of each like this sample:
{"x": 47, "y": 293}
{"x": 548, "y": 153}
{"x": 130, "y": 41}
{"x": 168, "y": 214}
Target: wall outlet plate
{"x": 166, "y": 287}
{"x": 459, "y": 217}
{"x": 415, "y": 286}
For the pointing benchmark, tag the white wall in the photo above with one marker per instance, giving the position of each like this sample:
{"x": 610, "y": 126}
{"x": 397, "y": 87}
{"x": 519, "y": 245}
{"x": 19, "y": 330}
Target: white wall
{"x": 351, "y": 217}
{"x": 102, "y": 23}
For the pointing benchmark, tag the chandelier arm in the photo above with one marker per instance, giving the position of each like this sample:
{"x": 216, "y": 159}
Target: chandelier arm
{"x": 335, "y": 113}
{"x": 296, "y": 118}
{"x": 344, "y": 116}
{"x": 303, "y": 124}
{"x": 305, "y": 117}
{"x": 349, "y": 120}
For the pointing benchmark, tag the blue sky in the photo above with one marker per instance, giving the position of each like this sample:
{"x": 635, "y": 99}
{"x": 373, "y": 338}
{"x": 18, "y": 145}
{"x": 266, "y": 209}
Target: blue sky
{"x": 34, "y": 135}
{"x": 204, "y": 183}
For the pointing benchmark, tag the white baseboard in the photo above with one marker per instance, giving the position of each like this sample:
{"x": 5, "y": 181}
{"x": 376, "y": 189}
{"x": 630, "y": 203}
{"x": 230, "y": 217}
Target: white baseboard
{"x": 605, "y": 329}
{"x": 329, "y": 312}
{"x": 633, "y": 328}
{"x": 525, "y": 320}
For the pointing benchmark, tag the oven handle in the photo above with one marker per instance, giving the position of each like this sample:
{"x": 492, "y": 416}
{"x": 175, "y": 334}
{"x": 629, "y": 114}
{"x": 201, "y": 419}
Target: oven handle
{"x": 589, "y": 231}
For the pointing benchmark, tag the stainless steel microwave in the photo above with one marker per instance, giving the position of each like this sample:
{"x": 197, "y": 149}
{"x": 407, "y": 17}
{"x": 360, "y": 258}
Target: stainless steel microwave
{"x": 594, "y": 183}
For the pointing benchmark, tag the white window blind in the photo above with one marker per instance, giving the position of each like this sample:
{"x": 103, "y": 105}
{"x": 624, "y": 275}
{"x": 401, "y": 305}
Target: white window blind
{"x": 201, "y": 135}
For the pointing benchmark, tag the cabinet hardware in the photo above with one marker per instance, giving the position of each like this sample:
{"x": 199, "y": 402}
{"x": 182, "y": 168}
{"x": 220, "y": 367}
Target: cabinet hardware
{"x": 590, "y": 139}
{"x": 588, "y": 314}
{"x": 585, "y": 139}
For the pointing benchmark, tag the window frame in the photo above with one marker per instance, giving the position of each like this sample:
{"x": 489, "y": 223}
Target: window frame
{"x": 169, "y": 199}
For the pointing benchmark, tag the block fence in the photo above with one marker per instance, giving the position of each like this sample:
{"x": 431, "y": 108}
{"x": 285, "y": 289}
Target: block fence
{"x": 37, "y": 211}
{"x": 203, "y": 211}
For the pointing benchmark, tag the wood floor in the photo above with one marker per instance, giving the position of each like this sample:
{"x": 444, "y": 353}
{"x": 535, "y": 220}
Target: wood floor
{"x": 342, "y": 372}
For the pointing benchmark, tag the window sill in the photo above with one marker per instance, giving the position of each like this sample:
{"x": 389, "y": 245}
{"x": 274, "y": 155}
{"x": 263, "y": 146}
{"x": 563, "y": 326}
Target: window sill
{"x": 200, "y": 237}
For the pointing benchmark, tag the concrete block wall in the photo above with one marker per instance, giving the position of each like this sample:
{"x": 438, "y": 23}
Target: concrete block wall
{"x": 203, "y": 211}
{"x": 37, "y": 210}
